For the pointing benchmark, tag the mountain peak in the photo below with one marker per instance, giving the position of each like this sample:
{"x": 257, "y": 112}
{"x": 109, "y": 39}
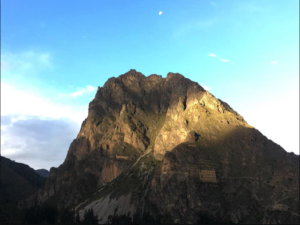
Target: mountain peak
{"x": 169, "y": 144}
{"x": 171, "y": 74}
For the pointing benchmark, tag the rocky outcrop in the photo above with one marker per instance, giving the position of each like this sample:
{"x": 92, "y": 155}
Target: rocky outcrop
{"x": 176, "y": 152}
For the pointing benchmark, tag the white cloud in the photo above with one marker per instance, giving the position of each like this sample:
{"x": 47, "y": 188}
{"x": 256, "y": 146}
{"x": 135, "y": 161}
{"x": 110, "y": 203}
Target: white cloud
{"x": 38, "y": 143}
{"x": 27, "y": 104}
{"x": 27, "y": 61}
{"x": 45, "y": 59}
{"x": 224, "y": 60}
{"x": 36, "y": 130}
{"x": 160, "y": 12}
{"x": 20, "y": 94}
{"x": 83, "y": 91}
{"x": 4, "y": 66}
{"x": 207, "y": 88}
{"x": 274, "y": 62}
{"x": 24, "y": 68}
{"x": 90, "y": 88}
{"x": 80, "y": 92}
{"x": 212, "y": 55}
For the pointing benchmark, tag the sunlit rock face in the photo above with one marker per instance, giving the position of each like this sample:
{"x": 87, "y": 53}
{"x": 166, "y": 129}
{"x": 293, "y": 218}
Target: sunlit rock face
{"x": 171, "y": 149}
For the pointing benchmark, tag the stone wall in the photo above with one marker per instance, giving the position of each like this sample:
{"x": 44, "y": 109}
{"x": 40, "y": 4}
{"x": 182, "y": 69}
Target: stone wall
{"x": 121, "y": 157}
{"x": 208, "y": 176}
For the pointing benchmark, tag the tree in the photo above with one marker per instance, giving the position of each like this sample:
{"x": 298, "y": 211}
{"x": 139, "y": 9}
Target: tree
{"x": 77, "y": 218}
{"x": 89, "y": 217}
{"x": 67, "y": 217}
{"x": 46, "y": 213}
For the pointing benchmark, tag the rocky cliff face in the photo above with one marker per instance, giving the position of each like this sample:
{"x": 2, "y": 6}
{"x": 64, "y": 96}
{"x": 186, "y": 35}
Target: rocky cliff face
{"x": 167, "y": 147}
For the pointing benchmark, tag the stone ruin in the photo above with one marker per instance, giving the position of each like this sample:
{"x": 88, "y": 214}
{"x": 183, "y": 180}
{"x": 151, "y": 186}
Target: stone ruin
{"x": 208, "y": 176}
{"x": 119, "y": 157}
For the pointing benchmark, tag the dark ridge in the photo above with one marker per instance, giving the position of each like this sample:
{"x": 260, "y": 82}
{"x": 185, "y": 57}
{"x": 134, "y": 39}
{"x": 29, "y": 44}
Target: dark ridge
{"x": 43, "y": 172}
{"x": 25, "y": 171}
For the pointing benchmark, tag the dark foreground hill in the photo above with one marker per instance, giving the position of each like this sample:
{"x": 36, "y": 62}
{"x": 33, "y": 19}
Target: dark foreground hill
{"x": 169, "y": 150}
{"x": 18, "y": 182}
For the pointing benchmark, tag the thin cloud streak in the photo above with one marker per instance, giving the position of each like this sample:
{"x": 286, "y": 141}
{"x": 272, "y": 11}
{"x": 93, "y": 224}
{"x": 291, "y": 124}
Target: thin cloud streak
{"x": 4, "y": 66}
{"x": 225, "y": 60}
{"x": 28, "y": 61}
{"x": 199, "y": 25}
{"x": 213, "y": 4}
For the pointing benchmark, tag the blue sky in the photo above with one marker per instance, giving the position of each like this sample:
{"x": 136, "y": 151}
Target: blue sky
{"x": 55, "y": 53}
